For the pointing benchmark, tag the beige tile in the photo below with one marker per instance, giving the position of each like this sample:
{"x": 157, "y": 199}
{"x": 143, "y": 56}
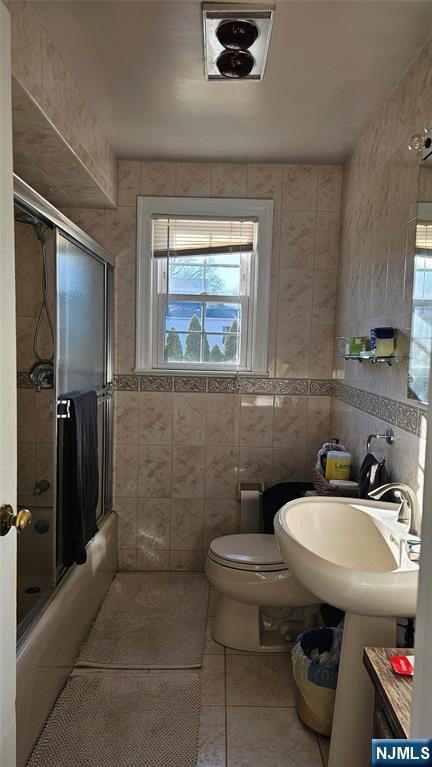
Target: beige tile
{"x": 188, "y": 472}
{"x": 290, "y": 422}
{"x": 158, "y": 178}
{"x": 126, "y": 509}
{"x": 125, "y": 286}
{"x": 255, "y": 463}
{"x": 221, "y": 472}
{"x": 295, "y": 296}
{"x": 26, "y": 415}
{"x": 155, "y": 418}
{"x": 45, "y": 415}
{"x": 297, "y": 240}
{"x": 211, "y": 750}
{"x": 121, "y": 230}
{"x": 127, "y": 560}
{"x": 223, "y": 418}
{"x": 193, "y": 179}
{"x": 153, "y": 523}
{"x": 229, "y": 179}
{"x": 125, "y": 471}
{"x": 45, "y": 464}
{"x": 128, "y": 182}
{"x": 322, "y": 351}
{"x": 154, "y": 471}
{"x": 126, "y": 417}
{"x": 269, "y": 737}
{"x": 324, "y": 296}
{"x": 327, "y": 240}
{"x": 189, "y": 424}
{"x": 256, "y": 420}
{"x": 264, "y": 180}
{"x": 220, "y": 518}
{"x": 212, "y": 647}
{"x": 293, "y": 350}
{"x": 187, "y": 524}
{"x": 152, "y": 560}
{"x": 318, "y": 422}
{"x": 187, "y": 560}
{"x": 124, "y": 346}
{"x": 329, "y": 187}
{"x": 299, "y": 187}
{"x": 259, "y": 680}
{"x": 213, "y": 680}
{"x": 289, "y": 464}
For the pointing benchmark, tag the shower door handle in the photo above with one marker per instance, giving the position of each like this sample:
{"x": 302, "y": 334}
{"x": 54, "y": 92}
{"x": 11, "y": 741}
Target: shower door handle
{"x": 8, "y": 519}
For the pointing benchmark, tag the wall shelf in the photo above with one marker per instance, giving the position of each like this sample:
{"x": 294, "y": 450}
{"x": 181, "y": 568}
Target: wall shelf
{"x": 371, "y": 357}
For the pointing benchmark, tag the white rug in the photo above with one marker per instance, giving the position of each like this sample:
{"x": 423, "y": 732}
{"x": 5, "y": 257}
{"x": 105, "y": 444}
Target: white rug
{"x": 123, "y": 719}
{"x": 149, "y": 620}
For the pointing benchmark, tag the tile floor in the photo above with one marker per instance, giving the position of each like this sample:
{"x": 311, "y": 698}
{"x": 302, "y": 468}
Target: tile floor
{"x": 248, "y": 716}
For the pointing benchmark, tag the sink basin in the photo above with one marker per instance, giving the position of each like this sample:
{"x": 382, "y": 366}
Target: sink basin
{"x": 351, "y": 553}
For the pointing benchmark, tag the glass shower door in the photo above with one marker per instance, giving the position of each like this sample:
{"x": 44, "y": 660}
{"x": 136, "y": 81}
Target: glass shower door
{"x": 83, "y": 358}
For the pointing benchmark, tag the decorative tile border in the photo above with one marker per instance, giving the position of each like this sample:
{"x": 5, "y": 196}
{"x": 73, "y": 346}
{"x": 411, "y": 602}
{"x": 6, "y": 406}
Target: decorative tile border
{"x": 156, "y": 383}
{"x": 392, "y": 412}
{"x": 408, "y": 417}
{"x": 256, "y": 385}
{"x": 322, "y": 387}
{"x": 223, "y": 385}
{"x": 293, "y": 386}
{"x": 126, "y": 383}
{"x": 190, "y": 383}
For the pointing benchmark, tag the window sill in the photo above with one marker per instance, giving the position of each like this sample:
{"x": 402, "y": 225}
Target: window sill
{"x": 200, "y": 373}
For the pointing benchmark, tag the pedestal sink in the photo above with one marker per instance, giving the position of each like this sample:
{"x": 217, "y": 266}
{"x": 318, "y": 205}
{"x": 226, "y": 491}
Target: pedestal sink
{"x": 353, "y": 555}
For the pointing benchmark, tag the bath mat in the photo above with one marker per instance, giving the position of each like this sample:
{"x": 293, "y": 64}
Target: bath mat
{"x": 149, "y": 620}
{"x": 123, "y": 719}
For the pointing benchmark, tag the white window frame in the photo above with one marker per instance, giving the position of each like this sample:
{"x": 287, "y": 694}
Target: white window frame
{"x": 148, "y": 306}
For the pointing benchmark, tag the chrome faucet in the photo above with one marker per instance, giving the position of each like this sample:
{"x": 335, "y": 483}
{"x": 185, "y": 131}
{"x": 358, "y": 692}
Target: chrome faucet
{"x": 408, "y": 503}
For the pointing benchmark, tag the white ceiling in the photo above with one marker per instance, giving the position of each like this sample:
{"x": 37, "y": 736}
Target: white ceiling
{"x": 330, "y": 66}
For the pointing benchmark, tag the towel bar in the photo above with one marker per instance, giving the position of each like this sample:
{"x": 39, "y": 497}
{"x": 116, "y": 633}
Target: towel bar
{"x": 388, "y": 436}
{"x": 103, "y": 394}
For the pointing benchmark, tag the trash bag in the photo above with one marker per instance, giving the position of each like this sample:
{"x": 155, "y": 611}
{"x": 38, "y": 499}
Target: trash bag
{"x": 315, "y": 659}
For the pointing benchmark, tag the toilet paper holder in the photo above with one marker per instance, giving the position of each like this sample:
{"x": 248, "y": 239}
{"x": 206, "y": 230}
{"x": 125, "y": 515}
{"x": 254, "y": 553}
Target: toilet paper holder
{"x": 250, "y": 513}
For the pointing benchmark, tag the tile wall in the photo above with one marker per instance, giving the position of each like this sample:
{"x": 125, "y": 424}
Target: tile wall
{"x": 381, "y": 190}
{"x": 74, "y": 159}
{"x": 182, "y": 444}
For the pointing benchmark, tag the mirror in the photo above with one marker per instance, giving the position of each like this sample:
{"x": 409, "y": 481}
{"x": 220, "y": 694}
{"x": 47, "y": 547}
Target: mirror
{"x": 421, "y": 313}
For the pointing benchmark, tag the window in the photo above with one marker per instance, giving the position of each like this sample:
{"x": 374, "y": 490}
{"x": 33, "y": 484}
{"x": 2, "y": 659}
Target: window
{"x": 202, "y": 264}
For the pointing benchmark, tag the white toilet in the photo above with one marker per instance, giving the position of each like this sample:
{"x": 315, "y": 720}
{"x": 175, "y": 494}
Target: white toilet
{"x": 252, "y": 579}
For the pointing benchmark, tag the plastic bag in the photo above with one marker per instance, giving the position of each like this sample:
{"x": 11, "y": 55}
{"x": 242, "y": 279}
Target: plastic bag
{"x": 315, "y": 658}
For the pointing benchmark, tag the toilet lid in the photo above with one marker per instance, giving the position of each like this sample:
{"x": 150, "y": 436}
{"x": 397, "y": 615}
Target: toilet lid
{"x": 248, "y": 551}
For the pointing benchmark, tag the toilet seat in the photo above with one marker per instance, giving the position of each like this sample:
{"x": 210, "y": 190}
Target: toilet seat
{"x": 248, "y": 551}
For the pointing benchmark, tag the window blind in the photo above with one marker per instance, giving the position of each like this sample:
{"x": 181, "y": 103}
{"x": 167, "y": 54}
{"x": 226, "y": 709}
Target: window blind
{"x": 187, "y": 237}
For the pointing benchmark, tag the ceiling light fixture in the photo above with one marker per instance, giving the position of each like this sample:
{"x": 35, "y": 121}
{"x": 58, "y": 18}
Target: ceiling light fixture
{"x": 236, "y": 40}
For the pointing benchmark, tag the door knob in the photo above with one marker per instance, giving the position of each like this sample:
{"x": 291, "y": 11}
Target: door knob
{"x": 8, "y": 519}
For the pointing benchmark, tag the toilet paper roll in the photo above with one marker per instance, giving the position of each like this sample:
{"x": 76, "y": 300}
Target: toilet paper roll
{"x": 250, "y": 511}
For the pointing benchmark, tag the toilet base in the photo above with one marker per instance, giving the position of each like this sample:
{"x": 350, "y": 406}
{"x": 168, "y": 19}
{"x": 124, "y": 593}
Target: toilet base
{"x": 241, "y": 626}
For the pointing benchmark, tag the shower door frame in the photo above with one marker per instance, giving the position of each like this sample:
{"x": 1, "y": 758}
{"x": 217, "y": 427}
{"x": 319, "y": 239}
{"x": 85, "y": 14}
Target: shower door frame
{"x": 29, "y": 199}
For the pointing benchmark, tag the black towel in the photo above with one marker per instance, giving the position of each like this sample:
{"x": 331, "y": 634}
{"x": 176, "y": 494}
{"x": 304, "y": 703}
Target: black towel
{"x": 80, "y": 481}
{"x": 373, "y": 474}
